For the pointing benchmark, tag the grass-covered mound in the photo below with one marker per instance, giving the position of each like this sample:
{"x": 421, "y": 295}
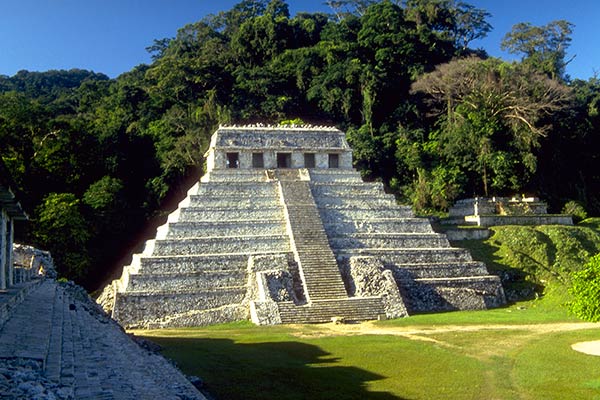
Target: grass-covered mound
{"x": 536, "y": 260}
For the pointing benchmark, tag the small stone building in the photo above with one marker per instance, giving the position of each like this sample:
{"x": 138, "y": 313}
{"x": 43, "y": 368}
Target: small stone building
{"x": 10, "y": 211}
{"x": 282, "y": 229}
{"x": 493, "y": 211}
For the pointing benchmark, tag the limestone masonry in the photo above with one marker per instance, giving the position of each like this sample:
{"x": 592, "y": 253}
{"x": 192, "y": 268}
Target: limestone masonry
{"x": 484, "y": 211}
{"x": 282, "y": 229}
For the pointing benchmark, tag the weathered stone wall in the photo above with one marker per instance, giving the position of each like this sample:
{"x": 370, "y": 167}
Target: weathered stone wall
{"x": 495, "y": 220}
{"x": 60, "y": 345}
{"x": 366, "y": 277}
{"x": 499, "y": 206}
{"x": 476, "y": 293}
{"x": 468, "y": 234}
{"x": 31, "y": 262}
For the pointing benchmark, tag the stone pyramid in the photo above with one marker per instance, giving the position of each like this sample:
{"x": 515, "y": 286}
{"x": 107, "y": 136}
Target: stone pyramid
{"x": 282, "y": 229}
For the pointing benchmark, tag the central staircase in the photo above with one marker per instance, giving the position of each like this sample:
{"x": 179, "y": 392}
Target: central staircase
{"x": 317, "y": 263}
{"x": 323, "y": 285}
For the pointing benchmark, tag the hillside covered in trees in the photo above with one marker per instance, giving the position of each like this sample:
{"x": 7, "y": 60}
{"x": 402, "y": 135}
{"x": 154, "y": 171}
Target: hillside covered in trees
{"x": 434, "y": 119}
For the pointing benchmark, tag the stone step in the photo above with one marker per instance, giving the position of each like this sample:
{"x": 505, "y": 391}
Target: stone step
{"x": 321, "y": 276}
{"x": 409, "y": 256}
{"x": 53, "y": 364}
{"x": 247, "y": 189}
{"x": 346, "y": 189}
{"x": 352, "y": 309}
{"x": 448, "y": 294}
{"x": 191, "y": 214}
{"x": 108, "y": 365}
{"x": 355, "y": 202}
{"x": 437, "y": 270}
{"x": 237, "y": 175}
{"x": 214, "y": 245}
{"x": 193, "y": 263}
{"x": 335, "y": 175}
{"x": 334, "y": 215}
{"x": 200, "y": 263}
{"x": 389, "y": 240}
{"x": 67, "y": 370}
{"x": 157, "y": 283}
{"x": 403, "y": 225}
{"x": 225, "y": 228}
{"x": 86, "y": 355}
{"x": 234, "y": 200}
{"x": 16, "y": 342}
{"x": 135, "y": 309}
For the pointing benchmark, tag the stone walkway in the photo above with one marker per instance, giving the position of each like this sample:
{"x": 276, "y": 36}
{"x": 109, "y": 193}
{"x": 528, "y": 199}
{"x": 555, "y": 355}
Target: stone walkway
{"x": 57, "y": 344}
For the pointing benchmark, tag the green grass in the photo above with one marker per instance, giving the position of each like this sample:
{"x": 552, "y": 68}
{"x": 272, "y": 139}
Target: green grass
{"x": 516, "y": 352}
{"x": 243, "y": 361}
{"x": 550, "y": 309}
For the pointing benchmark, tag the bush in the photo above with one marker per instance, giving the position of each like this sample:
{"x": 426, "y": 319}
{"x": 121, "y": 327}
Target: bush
{"x": 586, "y": 291}
{"x": 575, "y": 209}
{"x": 435, "y": 190}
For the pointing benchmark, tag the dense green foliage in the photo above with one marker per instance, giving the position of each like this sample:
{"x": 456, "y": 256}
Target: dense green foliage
{"x": 586, "y": 291}
{"x": 105, "y": 153}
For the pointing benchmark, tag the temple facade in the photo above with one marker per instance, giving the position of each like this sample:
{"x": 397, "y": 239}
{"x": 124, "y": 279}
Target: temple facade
{"x": 282, "y": 229}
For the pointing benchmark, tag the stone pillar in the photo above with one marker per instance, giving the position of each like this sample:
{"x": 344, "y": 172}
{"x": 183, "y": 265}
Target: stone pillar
{"x": 346, "y": 160}
{"x": 10, "y": 227}
{"x": 322, "y": 160}
{"x": 245, "y": 159}
{"x": 270, "y": 159}
{"x": 297, "y": 160}
{"x": 3, "y": 272}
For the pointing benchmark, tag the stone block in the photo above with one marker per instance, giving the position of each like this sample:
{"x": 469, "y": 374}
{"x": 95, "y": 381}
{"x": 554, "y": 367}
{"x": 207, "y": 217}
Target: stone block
{"x": 407, "y": 225}
{"x": 389, "y": 241}
{"x": 191, "y": 214}
{"x": 264, "y": 313}
{"x": 449, "y": 294}
{"x": 216, "y": 245}
{"x": 225, "y": 228}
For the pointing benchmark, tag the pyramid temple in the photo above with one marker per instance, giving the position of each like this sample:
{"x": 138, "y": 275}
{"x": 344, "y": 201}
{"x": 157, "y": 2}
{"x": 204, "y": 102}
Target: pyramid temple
{"x": 282, "y": 229}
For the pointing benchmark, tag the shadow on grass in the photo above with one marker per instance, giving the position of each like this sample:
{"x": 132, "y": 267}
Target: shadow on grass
{"x": 272, "y": 370}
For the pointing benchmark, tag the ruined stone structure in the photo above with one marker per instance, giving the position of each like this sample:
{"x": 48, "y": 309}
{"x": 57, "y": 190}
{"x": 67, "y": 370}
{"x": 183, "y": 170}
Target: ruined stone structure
{"x": 10, "y": 211}
{"x": 282, "y": 229}
{"x": 491, "y": 211}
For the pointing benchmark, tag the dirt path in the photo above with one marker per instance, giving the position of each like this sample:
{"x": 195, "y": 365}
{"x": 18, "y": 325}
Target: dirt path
{"x": 369, "y": 328}
{"x": 426, "y": 333}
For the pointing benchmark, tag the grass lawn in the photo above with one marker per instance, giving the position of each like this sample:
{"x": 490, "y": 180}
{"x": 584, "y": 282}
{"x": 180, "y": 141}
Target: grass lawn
{"x": 520, "y": 352}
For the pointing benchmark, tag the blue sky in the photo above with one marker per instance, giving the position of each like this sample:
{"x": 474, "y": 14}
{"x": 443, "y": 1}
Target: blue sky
{"x": 110, "y": 36}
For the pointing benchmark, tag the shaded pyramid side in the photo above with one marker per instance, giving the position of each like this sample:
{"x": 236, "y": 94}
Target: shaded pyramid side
{"x": 200, "y": 268}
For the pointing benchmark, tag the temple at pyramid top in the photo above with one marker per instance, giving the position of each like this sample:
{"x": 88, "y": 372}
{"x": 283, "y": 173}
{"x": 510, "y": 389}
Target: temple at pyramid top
{"x": 273, "y": 147}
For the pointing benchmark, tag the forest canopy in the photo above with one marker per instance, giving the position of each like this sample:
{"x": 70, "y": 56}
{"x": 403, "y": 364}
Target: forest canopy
{"x": 434, "y": 119}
